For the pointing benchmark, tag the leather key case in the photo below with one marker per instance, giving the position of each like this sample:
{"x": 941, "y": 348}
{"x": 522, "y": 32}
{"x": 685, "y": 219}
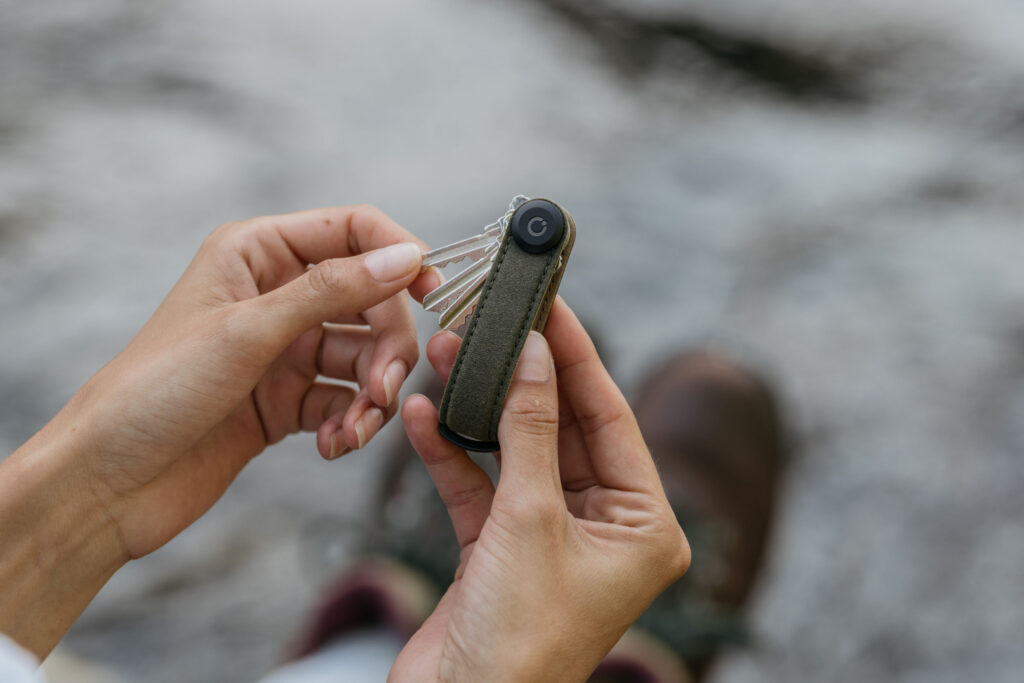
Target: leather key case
{"x": 516, "y": 298}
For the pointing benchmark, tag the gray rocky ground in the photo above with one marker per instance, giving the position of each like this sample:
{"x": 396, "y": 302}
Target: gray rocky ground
{"x": 833, "y": 188}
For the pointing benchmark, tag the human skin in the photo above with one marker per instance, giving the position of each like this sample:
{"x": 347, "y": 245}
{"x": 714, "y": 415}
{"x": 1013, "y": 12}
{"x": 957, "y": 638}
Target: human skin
{"x": 226, "y": 366}
{"x": 573, "y": 545}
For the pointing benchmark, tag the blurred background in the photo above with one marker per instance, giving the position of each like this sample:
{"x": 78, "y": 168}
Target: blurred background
{"x": 832, "y": 189}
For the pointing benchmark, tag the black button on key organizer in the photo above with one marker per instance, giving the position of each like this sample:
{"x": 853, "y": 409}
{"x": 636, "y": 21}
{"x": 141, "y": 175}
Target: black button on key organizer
{"x": 538, "y": 226}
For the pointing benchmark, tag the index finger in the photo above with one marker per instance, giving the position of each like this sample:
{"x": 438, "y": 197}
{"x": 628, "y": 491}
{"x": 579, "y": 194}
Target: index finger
{"x": 618, "y": 456}
{"x": 316, "y": 235}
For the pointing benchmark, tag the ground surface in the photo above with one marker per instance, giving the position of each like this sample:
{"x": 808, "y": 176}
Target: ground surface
{"x": 835, "y": 189}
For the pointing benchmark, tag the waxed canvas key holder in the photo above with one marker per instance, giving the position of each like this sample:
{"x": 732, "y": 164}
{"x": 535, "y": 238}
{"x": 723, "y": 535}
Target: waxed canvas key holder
{"x": 516, "y": 298}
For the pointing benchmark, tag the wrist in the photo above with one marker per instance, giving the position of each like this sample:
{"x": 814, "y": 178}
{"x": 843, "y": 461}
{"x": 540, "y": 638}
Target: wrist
{"x": 59, "y": 543}
{"x": 530, "y": 656}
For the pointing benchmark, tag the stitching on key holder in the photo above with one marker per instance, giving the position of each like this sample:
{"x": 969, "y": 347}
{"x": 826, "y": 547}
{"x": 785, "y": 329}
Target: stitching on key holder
{"x": 524, "y": 329}
{"x": 499, "y": 259}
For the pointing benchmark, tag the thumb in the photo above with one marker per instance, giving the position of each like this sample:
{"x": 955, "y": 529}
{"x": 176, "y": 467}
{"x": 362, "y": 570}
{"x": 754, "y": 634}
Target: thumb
{"x": 337, "y": 287}
{"x": 528, "y": 431}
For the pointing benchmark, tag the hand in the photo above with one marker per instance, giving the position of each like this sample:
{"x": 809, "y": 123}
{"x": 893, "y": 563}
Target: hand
{"x": 575, "y": 543}
{"x": 226, "y": 365}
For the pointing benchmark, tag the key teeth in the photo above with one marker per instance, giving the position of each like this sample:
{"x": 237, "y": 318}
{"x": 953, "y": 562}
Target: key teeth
{"x": 478, "y": 247}
{"x": 466, "y": 300}
{"x": 459, "y": 321}
{"x": 455, "y": 288}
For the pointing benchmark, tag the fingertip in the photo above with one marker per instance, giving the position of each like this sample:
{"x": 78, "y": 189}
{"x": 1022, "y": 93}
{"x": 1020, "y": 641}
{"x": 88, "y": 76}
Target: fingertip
{"x": 323, "y": 442}
{"x": 330, "y": 442}
{"x": 417, "y": 405}
{"x": 428, "y": 281}
{"x": 388, "y": 372}
{"x": 394, "y": 378}
{"x": 442, "y": 349}
{"x": 535, "y": 363}
{"x": 420, "y": 418}
{"x": 395, "y": 263}
{"x": 368, "y": 425}
{"x": 350, "y": 428}
{"x": 443, "y": 338}
{"x": 419, "y": 410}
{"x": 569, "y": 341}
{"x": 338, "y": 447}
{"x": 529, "y": 422}
{"x": 559, "y": 317}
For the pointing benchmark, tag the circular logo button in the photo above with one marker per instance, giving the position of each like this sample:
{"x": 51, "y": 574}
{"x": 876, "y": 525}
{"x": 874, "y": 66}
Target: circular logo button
{"x": 538, "y": 226}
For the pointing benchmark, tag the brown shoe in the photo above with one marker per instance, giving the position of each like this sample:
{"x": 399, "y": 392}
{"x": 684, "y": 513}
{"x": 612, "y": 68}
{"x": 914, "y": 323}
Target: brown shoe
{"x": 714, "y": 431}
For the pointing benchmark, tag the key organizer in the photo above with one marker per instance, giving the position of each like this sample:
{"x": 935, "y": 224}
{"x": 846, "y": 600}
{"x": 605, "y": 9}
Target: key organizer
{"x": 516, "y": 298}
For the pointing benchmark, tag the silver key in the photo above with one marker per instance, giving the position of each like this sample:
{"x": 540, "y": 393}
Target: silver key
{"x": 475, "y": 247}
{"x": 472, "y": 247}
{"x": 456, "y": 299}
{"x": 458, "y": 313}
{"x": 442, "y": 298}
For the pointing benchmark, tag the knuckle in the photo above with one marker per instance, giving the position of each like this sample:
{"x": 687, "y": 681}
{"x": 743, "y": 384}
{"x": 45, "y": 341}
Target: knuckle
{"x": 361, "y": 361}
{"x": 363, "y": 221}
{"x": 237, "y": 236}
{"x": 532, "y": 414}
{"x": 401, "y": 340}
{"x": 410, "y": 353}
{"x": 409, "y": 348}
{"x": 674, "y": 551}
{"x": 367, "y": 211}
{"x": 535, "y": 512}
{"x": 591, "y": 423}
{"x": 221, "y": 234}
{"x": 461, "y": 498}
{"x": 326, "y": 277}
{"x": 681, "y": 555}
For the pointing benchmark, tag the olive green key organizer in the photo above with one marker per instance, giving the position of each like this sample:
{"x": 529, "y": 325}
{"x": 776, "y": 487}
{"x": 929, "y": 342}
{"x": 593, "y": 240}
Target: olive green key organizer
{"x": 528, "y": 250}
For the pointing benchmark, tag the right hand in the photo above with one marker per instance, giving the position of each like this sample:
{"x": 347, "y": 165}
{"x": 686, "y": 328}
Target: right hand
{"x": 575, "y": 543}
{"x": 227, "y": 365}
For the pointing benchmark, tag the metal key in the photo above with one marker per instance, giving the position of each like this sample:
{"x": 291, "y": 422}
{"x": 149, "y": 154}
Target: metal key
{"x": 442, "y": 298}
{"x": 458, "y": 313}
{"x": 472, "y": 247}
{"x": 456, "y": 299}
{"x": 475, "y": 247}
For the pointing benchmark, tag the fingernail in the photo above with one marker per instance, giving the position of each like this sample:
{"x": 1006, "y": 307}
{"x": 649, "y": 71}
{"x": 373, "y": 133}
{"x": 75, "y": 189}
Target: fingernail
{"x": 391, "y": 263}
{"x": 368, "y": 424}
{"x": 535, "y": 363}
{"x": 338, "y": 446}
{"x": 393, "y": 378}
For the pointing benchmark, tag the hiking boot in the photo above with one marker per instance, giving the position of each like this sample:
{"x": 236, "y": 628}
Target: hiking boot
{"x": 715, "y": 433}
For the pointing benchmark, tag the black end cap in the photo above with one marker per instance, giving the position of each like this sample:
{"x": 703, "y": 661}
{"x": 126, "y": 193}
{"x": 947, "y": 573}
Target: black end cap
{"x": 466, "y": 442}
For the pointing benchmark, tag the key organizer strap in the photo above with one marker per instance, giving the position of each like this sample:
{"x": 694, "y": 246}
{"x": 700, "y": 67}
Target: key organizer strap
{"x": 516, "y": 298}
